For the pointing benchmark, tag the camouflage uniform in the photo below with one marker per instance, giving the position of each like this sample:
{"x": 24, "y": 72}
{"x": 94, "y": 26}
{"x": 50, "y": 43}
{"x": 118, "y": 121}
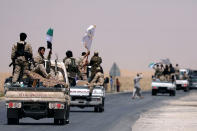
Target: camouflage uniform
{"x": 176, "y": 72}
{"x": 185, "y": 76}
{"x": 82, "y": 65}
{"x": 158, "y": 72}
{"x": 94, "y": 62}
{"x": 39, "y": 64}
{"x": 71, "y": 73}
{"x": 98, "y": 80}
{"x": 20, "y": 62}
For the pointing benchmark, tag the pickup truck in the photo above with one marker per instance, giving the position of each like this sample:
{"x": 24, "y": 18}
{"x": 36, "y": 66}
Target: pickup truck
{"x": 182, "y": 84}
{"x": 24, "y": 100}
{"x": 80, "y": 96}
{"x": 163, "y": 87}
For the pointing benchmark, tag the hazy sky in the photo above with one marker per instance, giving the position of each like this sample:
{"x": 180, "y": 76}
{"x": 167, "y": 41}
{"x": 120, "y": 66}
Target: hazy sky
{"x": 132, "y": 33}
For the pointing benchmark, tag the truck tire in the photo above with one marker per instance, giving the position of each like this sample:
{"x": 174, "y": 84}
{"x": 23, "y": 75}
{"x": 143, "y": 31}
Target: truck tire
{"x": 12, "y": 121}
{"x": 100, "y": 109}
{"x": 172, "y": 93}
{"x": 67, "y": 113}
{"x": 12, "y": 117}
{"x": 186, "y": 90}
{"x": 64, "y": 120}
{"x": 56, "y": 121}
{"x": 59, "y": 121}
{"x": 154, "y": 92}
{"x": 96, "y": 109}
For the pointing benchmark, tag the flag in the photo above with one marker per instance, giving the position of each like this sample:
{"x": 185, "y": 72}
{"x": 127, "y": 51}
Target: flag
{"x": 165, "y": 61}
{"x": 88, "y": 37}
{"x": 49, "y": 38}
{"x": 151, "y": 65}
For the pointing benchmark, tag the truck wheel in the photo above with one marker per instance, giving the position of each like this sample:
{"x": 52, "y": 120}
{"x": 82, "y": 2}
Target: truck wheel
{"x": 172, "y": 93}
{"x": 96, "y": 109}
{"x": 56, "y": 121}
{"x": 67, "y": 113}
{"x": 154, "y": 92}
{"x": 59, "y": 121}
{"x": 62, "y": 121}
{"x": 12, "y": 121}
{"x": 100, "y": 109}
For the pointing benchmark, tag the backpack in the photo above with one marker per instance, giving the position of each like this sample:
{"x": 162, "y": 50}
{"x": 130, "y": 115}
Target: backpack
{"x": 20, "y": 49}
{"x": 72, "y": 67}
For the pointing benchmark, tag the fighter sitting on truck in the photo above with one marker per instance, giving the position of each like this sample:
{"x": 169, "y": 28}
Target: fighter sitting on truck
{"x": 98, "y": 80}
{"x": 40, "y": 61}
{"x": 164, "y": 74}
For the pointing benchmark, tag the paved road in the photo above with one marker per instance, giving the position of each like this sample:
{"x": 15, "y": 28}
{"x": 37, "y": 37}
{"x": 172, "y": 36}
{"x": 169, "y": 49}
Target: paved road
{"x": 121, "y": 112}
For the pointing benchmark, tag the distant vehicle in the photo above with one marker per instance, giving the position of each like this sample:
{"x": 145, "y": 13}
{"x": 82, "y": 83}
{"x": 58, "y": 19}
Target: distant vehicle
{"x": 193, "y": 73}
{"x": 163, "y": 87}
{"x": 182, "y": 84}
{"x": 38, "y": 102}
{"x": 80, "y": 96}
{"x": 193, "y": 79}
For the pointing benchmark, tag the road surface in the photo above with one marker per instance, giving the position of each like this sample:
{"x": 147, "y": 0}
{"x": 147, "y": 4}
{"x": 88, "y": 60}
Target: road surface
{"x": 121, "y": 112}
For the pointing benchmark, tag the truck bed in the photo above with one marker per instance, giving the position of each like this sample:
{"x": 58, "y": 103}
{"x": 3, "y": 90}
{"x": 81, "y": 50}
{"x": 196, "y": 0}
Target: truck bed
{"x": 35, "y": 94}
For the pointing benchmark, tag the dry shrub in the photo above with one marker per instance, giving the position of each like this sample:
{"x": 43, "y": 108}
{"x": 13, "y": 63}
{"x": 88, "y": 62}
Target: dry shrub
{"x": 127, "y": 83}
{"x": 3, "y": 76}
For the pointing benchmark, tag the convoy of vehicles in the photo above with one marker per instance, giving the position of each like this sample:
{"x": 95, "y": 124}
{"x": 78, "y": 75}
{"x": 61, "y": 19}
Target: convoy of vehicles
{"x": 180, "y": 83}
{"x": 39, "y": 102}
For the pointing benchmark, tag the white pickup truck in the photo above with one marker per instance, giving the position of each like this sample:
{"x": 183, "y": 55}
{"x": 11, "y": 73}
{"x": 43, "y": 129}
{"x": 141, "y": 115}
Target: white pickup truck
{"x": 80, "y": 97}
{"x": 182, "y": 84}
{"x": 163, "y": 87}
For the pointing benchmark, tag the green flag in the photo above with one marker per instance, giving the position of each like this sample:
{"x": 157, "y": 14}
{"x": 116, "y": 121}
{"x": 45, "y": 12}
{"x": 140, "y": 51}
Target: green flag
{"x": 49, "y": 35}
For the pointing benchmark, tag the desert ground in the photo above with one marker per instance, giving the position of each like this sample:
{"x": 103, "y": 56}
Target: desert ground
{"x": 2, "y": 79}
{"x": 126, "y": 80}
